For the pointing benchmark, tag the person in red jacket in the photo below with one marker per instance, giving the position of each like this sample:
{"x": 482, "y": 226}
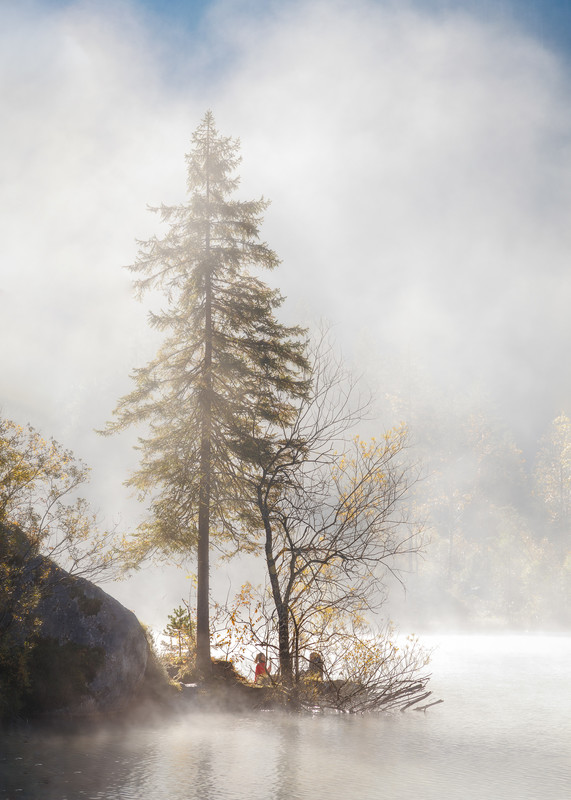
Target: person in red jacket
{"x": 262, "y": 675}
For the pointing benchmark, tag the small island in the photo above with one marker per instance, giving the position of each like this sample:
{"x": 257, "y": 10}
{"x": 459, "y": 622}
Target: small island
{"x": 74, "y": 652}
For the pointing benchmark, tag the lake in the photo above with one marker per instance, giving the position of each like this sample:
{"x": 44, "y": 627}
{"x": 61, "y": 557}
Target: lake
{"x": 504, "y": 731}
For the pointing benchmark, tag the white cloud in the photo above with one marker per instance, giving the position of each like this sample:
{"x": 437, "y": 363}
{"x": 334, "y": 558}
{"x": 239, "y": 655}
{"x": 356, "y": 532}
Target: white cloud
{"x": 423, "y": 166}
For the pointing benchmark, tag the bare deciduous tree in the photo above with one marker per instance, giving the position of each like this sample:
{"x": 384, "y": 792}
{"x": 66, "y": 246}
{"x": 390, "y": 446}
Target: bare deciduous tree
{"x": 334, "y": 521}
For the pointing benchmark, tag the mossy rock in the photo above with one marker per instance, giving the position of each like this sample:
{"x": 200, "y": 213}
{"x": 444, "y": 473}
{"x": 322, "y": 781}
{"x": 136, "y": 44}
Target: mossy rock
{"x": 89, "y": 606}
{"x": 60, "y": 674}
{"x": 77, "y": 651}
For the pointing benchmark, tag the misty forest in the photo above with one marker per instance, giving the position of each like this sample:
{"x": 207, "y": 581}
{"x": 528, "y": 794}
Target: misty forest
{"x": 255, "y": 439}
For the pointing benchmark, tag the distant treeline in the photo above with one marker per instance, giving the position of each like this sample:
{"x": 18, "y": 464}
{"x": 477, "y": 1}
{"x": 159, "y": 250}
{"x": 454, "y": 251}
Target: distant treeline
{"x": 498, "y": 527}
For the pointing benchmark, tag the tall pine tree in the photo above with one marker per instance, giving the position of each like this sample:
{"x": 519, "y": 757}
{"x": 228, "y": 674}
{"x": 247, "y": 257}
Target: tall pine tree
{"x": 224, "y": 362}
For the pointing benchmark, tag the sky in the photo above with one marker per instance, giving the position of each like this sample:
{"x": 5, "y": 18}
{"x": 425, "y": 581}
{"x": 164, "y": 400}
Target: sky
{"x": 418, "y": 160}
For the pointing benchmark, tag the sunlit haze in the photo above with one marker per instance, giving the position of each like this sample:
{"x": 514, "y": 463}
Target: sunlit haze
{"x": 418, "y": 160}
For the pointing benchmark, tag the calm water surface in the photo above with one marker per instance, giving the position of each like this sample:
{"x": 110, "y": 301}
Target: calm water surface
{"x": 504, "y": 731}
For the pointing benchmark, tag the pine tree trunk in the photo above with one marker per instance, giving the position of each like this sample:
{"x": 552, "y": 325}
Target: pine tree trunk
{"x": 203, "y": 660}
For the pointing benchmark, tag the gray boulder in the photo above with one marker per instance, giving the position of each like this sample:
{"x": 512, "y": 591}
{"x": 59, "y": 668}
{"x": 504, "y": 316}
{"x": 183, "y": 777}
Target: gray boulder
{"x": 90, "y": 653}
{"x": 66, "y": 646}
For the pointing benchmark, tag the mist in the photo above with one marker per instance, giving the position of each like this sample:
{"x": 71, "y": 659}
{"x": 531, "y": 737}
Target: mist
{"x": 418, "y": 165}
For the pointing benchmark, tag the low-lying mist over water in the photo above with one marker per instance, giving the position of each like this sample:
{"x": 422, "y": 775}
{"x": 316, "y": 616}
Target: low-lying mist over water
{"x": 502, "y": 732}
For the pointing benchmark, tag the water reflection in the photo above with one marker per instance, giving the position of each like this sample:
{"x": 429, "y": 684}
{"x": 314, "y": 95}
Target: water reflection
{"x": 286, "y": 783}
{"x": 57, "y": 766}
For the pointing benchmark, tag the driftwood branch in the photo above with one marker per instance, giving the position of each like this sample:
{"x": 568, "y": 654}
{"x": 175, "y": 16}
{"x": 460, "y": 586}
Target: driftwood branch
{"x": 429, "y": 705}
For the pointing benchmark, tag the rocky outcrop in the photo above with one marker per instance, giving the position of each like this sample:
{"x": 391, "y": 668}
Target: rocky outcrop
{"x": 90, "y": 654}
{"x": 76, "y": 650}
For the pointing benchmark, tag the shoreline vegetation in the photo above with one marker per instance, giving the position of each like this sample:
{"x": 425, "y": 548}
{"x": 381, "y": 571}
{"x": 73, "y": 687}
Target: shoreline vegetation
{"x": 69, "y": 651}
{"x": 159, "y": 698}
